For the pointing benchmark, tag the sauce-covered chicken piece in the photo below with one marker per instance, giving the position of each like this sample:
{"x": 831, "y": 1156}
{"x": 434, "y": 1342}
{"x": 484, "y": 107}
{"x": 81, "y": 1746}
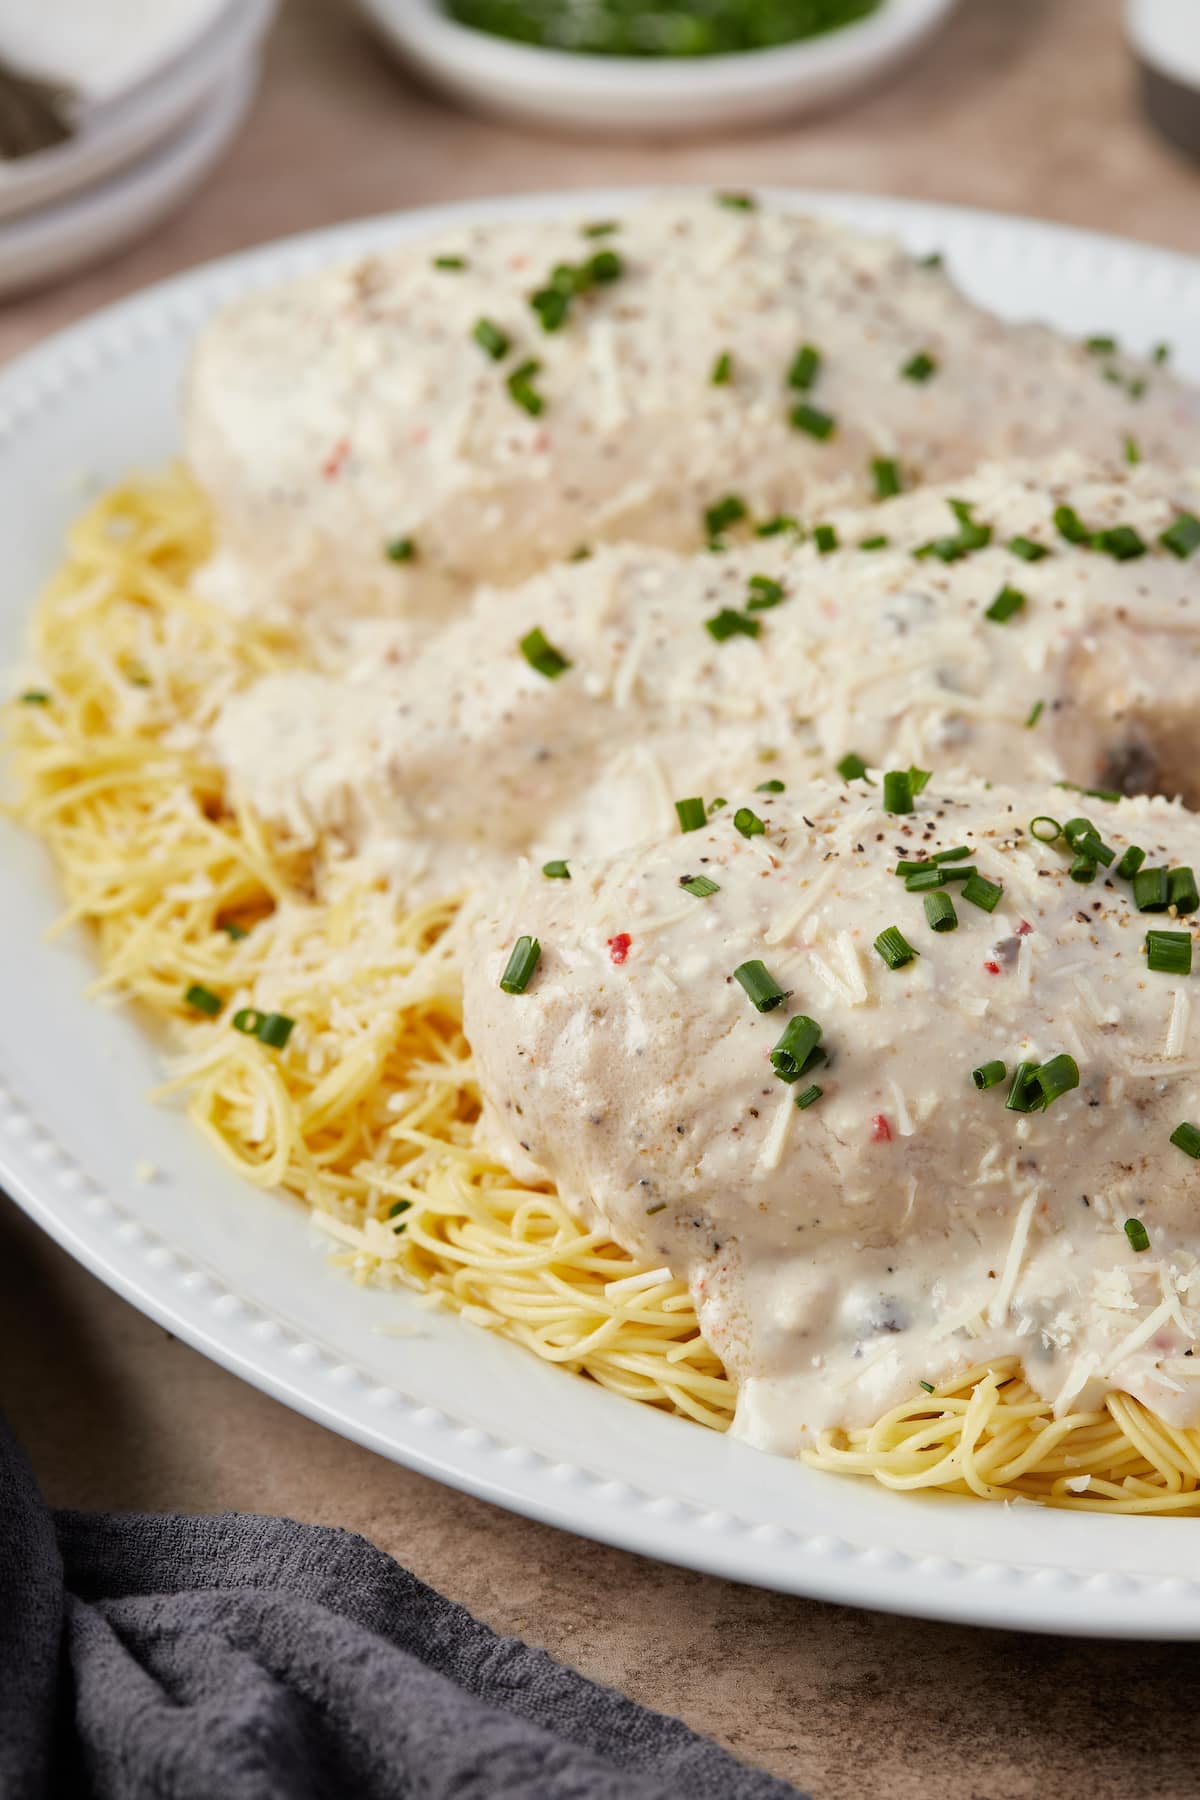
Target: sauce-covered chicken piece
{"x": 747, "y": 1051}
{"x": 383, "y": 436}
{"x": 1005, "y": 649}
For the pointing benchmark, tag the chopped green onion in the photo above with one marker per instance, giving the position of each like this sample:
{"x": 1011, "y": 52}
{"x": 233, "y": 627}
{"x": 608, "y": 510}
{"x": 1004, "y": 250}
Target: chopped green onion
{"x": 203, "y": 1000}
{"x": 764, "y": 593}
{"x": 959, "y": 871}
{"x": 970, "y": 536}
{"x": 825, "y": 537}
{"x": 723, "y": 513}
{"x": 449, "y": 262}
{"x": 935, "y": 260}
{"x": 852, "y": 767}
{"x": 521, "y": 388}
{"x": 926, "y": 877}
{"x": 874, "y": 543}
{"x": 35, "y": 697}
{"x": 748, "y": 823}
{"x": 899, "y": 789}
{"x": 1121, "y": 542}
{"x": 738, "y": 202}
{"x": 1045, "y": 837}
{"x": 690, "y": 813}
{"x": 601, "y": 228}
{"x": 233, "y": 930}
{"x": 774, "y": 786}
{"x": 789, "y": 1058}
{"x": 541, "y": 655}
{"x": 1035, "y": 713}
{"x": 1183, "y": 536}
{"x": 886, "y": 476}
{"x": 518, "y": 971}
{"x": 1182, "y": 894}
{"x": 1082, "y": 869}
{"x": 988, "y": 1075}
{"x": 1130, "y": 863}
{"x": 1169, "y": 952}
{"x": 1055, "y": 1078}
{"x": 918, "y": 779}
{"x": 273, "y": 1029}
{"x": 982, "y": 892}
{"x": 659, "y": 1206}
{"x": 552, "y": 304}
{"x": 728, "y": 623}
{"x": 1185, "y": 1137}
{"x": 1133, "y": 454}
{"x": 1070, "y": 525}
{"x": 912, "y": 865}
{"x": 489, "y": 337}
{"x": 894, "y": 947}
{"x": 919, "y": 367}
{"x": 401, "y": 550}
{"x": 939, "y": 912}
{"x": 762, "y": 990}
{"x": 581, "y": 553}
{"x": 1008, "y": 601}
{"x": 1027, "y": 549}
{"x": 1101, "y": 346}
{"x": 810, "y": 1094}
{"x": 817, "y": 424}
{"x": 805, "y": 364}
{"x": 398, "y": 1207}
{"x": 722, "y": 370}
{"x": 1160, "y": 353}
{"x": 1151, "y": 890}
{"x": 927, "y": 1385}
{"x": 699, "y": 885}
{"x": 780, "y": 523}
{"x": 556, "y": 870}
{"x": 714, "y": 806}
{"x": 1139, "y": 1237}
{"x": 1023, "y": 1094}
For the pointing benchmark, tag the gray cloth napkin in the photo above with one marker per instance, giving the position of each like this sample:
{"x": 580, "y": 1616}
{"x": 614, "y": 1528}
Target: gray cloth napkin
{"x": 244, "y": 1658}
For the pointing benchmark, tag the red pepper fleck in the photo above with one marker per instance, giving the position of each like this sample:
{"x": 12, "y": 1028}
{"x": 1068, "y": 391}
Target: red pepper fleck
{"x": 1024, "y": 928}
{"x": 993, "y": 968}
{"x": 618, "y": 947}
{"x": 331, "y": 468}
{"x": 881, "y": 1131}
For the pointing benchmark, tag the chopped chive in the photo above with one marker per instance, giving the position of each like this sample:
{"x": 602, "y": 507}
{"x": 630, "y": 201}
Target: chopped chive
{"x": 518, "y": 971}
{"x": 852, "y": 767}
{"x": 714, "y": 806}
{"x": 959, "y": 871}
{"x": 958, "y": 854}
{"x": 275, "y": 1030}
{"x": 894, "y": 947}
{"x": 738, "y": 202}
{"x": 247, "y": 1020}
{"x": 825, "y": 537}
{"x": 690, "y": 813}
{"x": 780, "y": 523}
{"x": 805, "y": 365}
{"x": 722, "y": 370}
{"x": 1045, "y": 837}
{"x": 1169, "y": 952}
{"x": 556, "y": 870}
{"x": 922, "y": 879}
{"x": 1130, "y": 863}
{"x": 817, "y": 424}
{"x": 1139, "y": 1237}
{"x": 1185, "y": 1137}
{"x": 1101, "y": 346}
{"x": 541, "y": 655}
{"x": 810, "y": 1094}
{"x": 1160, "y": 353}
{"x": 1121, "y": 542}
{"x": 988, "y": 1075}
{"x": 1182, "y": 893}
{"x": 898, "y": 791}
{"x": 728, "y": 623}
{"x": 1056, "y": 1078}
{"x": 774, "y": 786}
{"x": 1008, "y": 601}
{"x": 789, "y": 1058}
{"x": 401, "y": 550}
{"x": 1077, "y": 831}
{"x": 918, "y": 779}
{"x": 748, "y": 823}
{"x": 1070, "y": 525}
{"x": 489, "y": 337}
{"x": 659, "y": 1206}
{"x": 1082, "y": 869}
{"x": 939, "y": 912}
{"x": 982, "y": 893}
{"x": 724, "y": 513}
{"x": 1151, "y": 890}
{"x": 449, "y": 262}
{"x": 919, "y": 367}
{"x": 1133, "y": 454}
{"x": 1035, "y": 713}
{"x": 970, "y": 536}
{"x": 699, "y": 885}
{"x": 935, "y": 260}
{"x": 761, "y": 989}
{"x": 1023, "y": 1095}
{"x": 203, "y": 1000}
{"x": 233, "y": 930}
{"x": 581, "y": 553}
{"x": 520, "y": 386}
{"x": 886, "y": 475}
{"x": 912, "y": 865}
{"x": 552, "y": 304}
{"x": 764, "y": 593}
{"x": 1181, "y": 537}
{"x": 398, "y": 1207}
{"x": 35, "y": 697}
{"x": 1027, "y": 549}
{"x": 927, "y": 1386}
{"x": 601, "y": 228}
{"x": 874, "y": 543}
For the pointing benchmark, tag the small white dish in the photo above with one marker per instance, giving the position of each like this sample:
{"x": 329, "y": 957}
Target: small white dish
{"x": 37, "y": 247}
{"x": 122, "y": 120}
{"x": 657, "y": 96}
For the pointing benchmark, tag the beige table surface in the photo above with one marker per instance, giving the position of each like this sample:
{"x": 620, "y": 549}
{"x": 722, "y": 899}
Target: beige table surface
{"x": 1025, "y": 105}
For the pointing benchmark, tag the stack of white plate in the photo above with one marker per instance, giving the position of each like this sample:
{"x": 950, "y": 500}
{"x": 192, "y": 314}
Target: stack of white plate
{"x": 159, "y": 88}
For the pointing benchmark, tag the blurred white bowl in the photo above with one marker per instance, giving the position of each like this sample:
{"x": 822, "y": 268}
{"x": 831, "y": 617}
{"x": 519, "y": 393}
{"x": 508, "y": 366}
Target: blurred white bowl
{"x": 656, "y": 96}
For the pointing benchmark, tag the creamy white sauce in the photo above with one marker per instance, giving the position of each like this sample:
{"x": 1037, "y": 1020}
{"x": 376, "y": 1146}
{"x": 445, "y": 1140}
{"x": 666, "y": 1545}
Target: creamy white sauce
{"x": 904, "y": 1226}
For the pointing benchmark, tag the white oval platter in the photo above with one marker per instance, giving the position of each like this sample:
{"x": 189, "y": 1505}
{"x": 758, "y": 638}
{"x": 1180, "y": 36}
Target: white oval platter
{"x": 238, "y": 1274}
